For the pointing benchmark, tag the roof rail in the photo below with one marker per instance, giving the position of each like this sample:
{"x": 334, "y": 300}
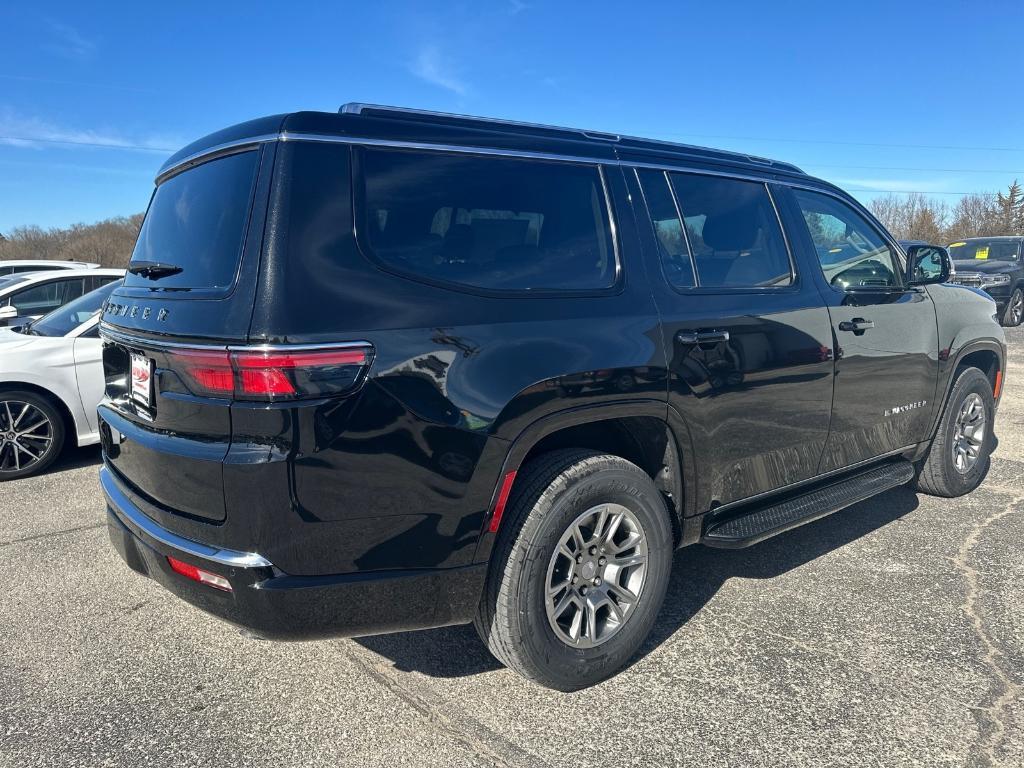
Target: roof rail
{"x": 380, "y": 110}
{"x": 357, "y": 108}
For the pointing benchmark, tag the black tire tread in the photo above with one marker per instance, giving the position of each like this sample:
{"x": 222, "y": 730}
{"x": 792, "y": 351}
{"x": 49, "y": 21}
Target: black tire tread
{"x": 931, "y": 478}
{"x": 545, "y": 477}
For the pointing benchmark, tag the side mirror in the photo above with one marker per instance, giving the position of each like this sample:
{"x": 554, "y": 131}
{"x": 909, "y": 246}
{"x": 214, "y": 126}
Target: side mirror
{"x": 7, "y": 314}
{"x": 928, "y": 264}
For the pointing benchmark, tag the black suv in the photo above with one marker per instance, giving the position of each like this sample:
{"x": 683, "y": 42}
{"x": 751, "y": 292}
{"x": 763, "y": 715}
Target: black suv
{"x": 384, "y": 370}
{"x": 996, "y": 266}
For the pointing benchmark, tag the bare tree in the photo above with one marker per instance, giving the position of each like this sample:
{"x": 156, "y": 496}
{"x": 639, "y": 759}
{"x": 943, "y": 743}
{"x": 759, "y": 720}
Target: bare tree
{"x": 108, "y": 243}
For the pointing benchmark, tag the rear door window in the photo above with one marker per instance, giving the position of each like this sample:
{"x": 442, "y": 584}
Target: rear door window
{"x": 45, "y": 297}
{"x": 493, "y": 223}
{"x": 675, "y": 255}
{"x": 733, "y": 232}
{"x": 197, "y": 221}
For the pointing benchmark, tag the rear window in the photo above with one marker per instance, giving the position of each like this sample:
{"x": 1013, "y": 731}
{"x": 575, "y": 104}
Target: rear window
{"x": 197, "y": 221}
{"x": 498, "y": 224}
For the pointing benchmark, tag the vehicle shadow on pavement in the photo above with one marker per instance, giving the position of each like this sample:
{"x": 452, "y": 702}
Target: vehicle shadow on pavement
{"x": 76, "y": 458}
{"x": 697, "y": 575}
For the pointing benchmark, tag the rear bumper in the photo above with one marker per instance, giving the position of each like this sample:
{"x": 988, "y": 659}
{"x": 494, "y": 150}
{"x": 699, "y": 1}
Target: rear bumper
{"x": 275, "y": 605}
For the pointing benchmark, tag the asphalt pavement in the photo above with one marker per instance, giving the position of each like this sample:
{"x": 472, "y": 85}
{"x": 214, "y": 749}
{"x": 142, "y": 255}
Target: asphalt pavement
{"x": 889, "y": 634}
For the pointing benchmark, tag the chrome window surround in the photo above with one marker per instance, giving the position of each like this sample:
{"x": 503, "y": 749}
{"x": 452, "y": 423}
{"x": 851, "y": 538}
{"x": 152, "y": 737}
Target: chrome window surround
{"x": 774, "y": 176}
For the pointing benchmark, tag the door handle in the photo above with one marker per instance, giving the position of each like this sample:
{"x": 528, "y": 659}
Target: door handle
{"x": 857, "y": 325}
{"x": 701, "y": 337}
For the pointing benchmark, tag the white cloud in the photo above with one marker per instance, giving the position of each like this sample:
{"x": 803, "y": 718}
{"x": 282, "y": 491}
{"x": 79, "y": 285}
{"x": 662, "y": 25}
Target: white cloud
{"x": 25, "y": 131}
{"x": 68, "y": 42}
{"x": 430, "y": 66}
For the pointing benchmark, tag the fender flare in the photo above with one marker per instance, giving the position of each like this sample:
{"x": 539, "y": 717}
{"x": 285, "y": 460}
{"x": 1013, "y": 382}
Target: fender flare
{"x": 975, "y": 345}
{"x": 531, "y": 435}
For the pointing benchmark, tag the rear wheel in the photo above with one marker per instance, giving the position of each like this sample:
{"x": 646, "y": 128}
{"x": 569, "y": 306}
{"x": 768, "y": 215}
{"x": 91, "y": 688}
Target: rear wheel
{"x": 31, "y": 434}
{"x": 579, "y": 571}
{"x": 960, "y": 453}
{"x": 1014, "y": 312}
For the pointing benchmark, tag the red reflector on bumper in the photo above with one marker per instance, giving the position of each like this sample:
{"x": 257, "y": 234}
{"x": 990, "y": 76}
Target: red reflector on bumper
{"x": 198, "y": 574}
{"x": 499, "y": 506}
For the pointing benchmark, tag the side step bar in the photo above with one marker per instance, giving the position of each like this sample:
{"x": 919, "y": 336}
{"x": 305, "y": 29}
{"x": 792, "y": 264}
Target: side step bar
{"x": 755, "y": 526}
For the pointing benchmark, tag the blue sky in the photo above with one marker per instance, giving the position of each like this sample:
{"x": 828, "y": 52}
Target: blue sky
{"x": 875, "y": 96}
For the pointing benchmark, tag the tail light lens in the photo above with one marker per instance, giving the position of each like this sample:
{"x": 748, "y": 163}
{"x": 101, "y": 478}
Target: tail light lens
{"x": 273, "y": 374}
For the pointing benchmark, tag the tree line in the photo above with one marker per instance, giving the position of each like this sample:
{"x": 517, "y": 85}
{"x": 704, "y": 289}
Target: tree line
{"x": 919, "y": 217}
{"x": 909, "y": 217}
{"x": 108, "y": 243}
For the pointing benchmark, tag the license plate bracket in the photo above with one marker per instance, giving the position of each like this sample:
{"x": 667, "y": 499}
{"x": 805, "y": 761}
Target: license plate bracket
{"x": 142, "y": 379}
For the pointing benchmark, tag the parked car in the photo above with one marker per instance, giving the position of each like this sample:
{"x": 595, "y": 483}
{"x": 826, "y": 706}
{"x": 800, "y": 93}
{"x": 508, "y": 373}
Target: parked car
{"x": 995, "y": 265}
{"x": 29, "y": 296}
{"x": 400, "y": 370}
{"x": 51, "y": 379}
{"x": 16, "y": 267}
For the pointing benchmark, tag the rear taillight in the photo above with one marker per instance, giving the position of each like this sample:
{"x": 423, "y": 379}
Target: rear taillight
{"x": 257, "y": 373}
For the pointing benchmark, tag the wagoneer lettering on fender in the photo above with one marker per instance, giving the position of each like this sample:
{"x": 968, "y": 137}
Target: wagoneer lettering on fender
{"x": 397, "y": 370}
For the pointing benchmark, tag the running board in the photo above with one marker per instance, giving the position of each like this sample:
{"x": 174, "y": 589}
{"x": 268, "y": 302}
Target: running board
{"x": 760, "y": 524}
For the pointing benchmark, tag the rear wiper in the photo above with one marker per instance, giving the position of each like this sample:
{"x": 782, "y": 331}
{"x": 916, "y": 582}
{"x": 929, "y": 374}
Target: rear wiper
{"x": 153, "y": 270}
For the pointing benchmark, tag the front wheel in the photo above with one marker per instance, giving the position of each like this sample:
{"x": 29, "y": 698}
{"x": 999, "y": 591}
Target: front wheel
{"x": 579, "y": 571}
{"x": 958, "y": 459}
{"x": 1014, "y": 312}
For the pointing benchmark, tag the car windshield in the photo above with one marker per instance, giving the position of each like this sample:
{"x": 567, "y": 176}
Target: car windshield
{"x": 62, "y": 321}
{"x": 985, "y": 250}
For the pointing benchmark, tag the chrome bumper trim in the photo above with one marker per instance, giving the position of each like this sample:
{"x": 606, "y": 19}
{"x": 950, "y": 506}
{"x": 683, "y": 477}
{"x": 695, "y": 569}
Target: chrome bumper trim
{"x": 123, "y": 507}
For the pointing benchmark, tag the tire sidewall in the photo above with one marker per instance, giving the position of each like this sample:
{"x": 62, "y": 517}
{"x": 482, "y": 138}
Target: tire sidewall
{"x": 584, "y": 666}
{"x": 970, "y": 381}
{"x": 57, "y": 422}
{"x": 1008, "y": 321}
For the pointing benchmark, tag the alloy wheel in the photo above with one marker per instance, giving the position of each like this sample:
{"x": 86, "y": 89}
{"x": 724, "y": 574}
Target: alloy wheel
{"x": 26, "y": 435}
{"x": 969, "y": 433}
{"x": 596, "y": 576}
{"x": 1017, "y": 307}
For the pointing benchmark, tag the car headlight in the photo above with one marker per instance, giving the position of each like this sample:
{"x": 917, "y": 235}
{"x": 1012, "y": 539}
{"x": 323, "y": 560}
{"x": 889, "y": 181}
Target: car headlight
{"x": 989, "y": 280}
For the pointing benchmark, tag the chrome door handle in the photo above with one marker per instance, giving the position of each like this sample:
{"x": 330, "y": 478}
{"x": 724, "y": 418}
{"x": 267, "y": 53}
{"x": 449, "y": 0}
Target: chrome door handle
{"x": 701, "y": 337}
{"x": 857, "y": 325}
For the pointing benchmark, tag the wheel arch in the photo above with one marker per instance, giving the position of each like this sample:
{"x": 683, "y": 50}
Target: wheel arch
{"x": 988, "y": 355}
{"x": 641, "y": 431}
{"x": 70, "y": 427}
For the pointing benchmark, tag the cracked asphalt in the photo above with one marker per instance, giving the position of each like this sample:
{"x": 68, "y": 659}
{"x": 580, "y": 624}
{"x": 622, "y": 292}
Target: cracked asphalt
{"x": 889, "y": 634}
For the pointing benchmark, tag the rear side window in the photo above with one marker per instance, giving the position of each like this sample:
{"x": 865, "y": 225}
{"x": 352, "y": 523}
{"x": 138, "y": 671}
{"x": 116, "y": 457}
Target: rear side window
{"x": 733, "y": 231}
{"x": 492, "y": 223}
{"x": 675, "y": 255}
{"x": 197, "y": 221}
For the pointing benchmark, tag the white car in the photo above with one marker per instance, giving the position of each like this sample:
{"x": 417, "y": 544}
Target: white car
{"x": 51, "y": 380}
{"x": 17, "y": 266}
{"x": 31, "y": 295}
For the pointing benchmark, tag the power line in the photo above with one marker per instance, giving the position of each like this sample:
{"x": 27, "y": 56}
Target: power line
{"x": 915, "y": 168}
{"x": 913, "y": 191}
{"x": 840, "y": 143}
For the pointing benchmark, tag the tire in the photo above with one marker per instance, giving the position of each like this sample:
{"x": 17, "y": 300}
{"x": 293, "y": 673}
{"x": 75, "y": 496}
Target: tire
{"x": 24, "y": 434}
{"x": 939, "y": 474}
{"x": 1014, "y": 312}
{"x": 551, "y": 496}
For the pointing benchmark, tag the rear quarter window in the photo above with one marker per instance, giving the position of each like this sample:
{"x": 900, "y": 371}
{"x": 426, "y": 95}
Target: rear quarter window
{"x": 197, "y": 221}
{"x": 492, "y": 223}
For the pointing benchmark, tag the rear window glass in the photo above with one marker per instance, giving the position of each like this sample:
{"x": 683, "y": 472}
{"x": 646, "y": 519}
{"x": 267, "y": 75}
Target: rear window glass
{"x": 490, "y": 223}
{"x": 734, "y": 232}
{"x": 197, "y": 221}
